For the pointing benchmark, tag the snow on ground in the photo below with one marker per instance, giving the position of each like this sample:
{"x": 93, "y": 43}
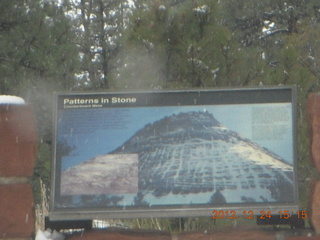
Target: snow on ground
{"x": 8, "y": 99}
{"x": 49, "y": 235}
{"x": 204, "y": 198}
{"x": 110, "y": 173}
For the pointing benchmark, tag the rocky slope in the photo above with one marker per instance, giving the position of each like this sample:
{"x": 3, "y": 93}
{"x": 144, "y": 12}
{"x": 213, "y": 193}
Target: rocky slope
{"x": 108, "y": 174}
{"x": 192, "y": 153}
{"x": 181, "y": 159}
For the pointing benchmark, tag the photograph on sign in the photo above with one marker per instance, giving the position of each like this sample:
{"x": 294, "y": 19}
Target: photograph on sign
{"x": 133, "y": 155}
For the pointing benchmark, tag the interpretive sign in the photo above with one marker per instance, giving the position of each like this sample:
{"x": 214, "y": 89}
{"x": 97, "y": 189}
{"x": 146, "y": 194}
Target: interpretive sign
{"x": 174, "y": 153}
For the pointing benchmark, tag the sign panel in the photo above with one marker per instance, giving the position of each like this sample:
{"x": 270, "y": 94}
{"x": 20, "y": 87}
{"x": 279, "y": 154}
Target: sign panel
{"x": 174, "y": 153}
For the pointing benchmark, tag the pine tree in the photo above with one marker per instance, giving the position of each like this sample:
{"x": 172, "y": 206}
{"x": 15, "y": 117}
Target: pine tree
{"x": 37, "y": 56}
{"x": 99, "y": 25}
{"x": 36, "y": 45}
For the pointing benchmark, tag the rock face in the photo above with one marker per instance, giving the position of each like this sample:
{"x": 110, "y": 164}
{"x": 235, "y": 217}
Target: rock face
{"x": 108, "y": 174}
{"x": 314, "y": 198}
{"x": 192, "y": 154}
{"x": 313, "y": 114}
{"x": 18, "y": 140}
{"x": 17, "y": 215}
{"x": 182, "y": 159}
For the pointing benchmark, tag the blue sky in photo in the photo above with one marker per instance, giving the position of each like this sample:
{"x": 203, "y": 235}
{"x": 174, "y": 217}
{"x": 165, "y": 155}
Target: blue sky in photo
{"x": 91, "y": 131}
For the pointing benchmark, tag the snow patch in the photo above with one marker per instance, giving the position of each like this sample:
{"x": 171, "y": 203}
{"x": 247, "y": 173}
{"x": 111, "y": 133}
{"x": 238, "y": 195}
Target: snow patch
{"x": 162, "y": 8}
{"x": 48, "y": 234}
{"x": 8, "y": 99}
{"x": 201, "y": 9}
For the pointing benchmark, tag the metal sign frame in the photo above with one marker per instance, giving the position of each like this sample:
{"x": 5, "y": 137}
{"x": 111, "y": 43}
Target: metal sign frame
{"x": 78, "y": 116}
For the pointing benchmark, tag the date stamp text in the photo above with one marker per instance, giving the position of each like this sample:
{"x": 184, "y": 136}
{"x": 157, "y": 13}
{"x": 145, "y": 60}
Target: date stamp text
{"x": 250, "y": 214}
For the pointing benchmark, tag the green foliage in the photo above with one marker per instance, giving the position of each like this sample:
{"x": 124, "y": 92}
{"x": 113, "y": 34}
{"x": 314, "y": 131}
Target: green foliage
{"x": 227, "y": 43}
{"x": 34, "y": 45}
{"x": 168, "y": 44}
{"x": 37, "y": 56}
{"x": 99, "y": 26}
{"x": 183, "y": 41}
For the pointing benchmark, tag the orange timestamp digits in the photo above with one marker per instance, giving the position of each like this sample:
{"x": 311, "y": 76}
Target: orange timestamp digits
{"x": 232, "y": 214}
